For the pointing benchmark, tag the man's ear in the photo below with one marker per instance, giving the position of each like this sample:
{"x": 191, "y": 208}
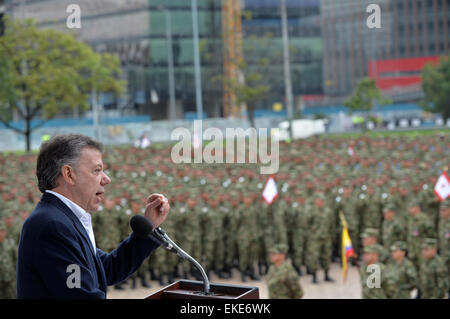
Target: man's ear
{"x": 68, "y": 174}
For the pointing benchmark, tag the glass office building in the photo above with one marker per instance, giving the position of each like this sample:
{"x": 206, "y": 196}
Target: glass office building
{"x": 411, "y": 30}
{"x": 135, "y": 31}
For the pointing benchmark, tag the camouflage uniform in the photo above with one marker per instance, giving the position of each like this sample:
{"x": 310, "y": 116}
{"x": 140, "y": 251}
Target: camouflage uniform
{"x": 392, "y": 230}
{"x": 282, "y": 281}
{"x": 419, "y": 228}
{"x": 230, "y": 226}
{"x": 247, "y": 239}
{"x": 319, "y": 242}
{"x": 444, "y": 236}
{"x": 300, "y": 230}
{"x": 8, "y": 259}
{"x": 401, "y": 277}
{"x": 433, "y": 275}
{"x": 365, "y": 272}
{"x": 272, "y": 226}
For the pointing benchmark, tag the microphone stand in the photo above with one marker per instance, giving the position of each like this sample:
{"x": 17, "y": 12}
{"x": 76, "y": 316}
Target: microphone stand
{"x": 169, "y": 244}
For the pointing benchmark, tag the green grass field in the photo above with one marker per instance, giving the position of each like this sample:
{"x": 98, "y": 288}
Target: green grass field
{"x": 405, "y": 133}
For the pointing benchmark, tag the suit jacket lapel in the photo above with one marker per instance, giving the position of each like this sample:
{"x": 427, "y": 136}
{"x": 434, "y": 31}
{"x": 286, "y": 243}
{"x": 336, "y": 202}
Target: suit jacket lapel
{"x": 50, "y": 198}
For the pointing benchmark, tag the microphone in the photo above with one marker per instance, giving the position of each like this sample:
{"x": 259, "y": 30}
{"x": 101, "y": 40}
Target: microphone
{"x": 143, "y": 228}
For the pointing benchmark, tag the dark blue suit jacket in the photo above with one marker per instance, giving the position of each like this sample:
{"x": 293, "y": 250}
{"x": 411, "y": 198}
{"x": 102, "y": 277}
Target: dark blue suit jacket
{"x": 53, "y": 238}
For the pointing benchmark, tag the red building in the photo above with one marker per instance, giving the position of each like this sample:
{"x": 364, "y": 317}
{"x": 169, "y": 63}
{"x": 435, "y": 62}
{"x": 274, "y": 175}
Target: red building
{"x": 399, "y": 73}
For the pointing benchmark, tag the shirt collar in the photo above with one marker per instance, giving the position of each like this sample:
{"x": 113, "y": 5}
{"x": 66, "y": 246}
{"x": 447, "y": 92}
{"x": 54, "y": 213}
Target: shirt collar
{"x": 81, "y": 214}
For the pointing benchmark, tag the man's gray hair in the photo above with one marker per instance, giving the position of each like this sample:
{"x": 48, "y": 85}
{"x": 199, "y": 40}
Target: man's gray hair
{"x": 60, "y": 150}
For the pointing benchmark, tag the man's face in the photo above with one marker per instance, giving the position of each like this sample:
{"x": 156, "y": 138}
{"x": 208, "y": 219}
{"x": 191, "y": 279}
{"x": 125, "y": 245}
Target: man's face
{"x": 428, "y": 253}
{"x": 2, "y": 235}
{"x": 389, "y": 215}
{"x": 414, "y": 210}
{"x": 90, "y": 179}
{"x": 445, "y": 212}
{"x": 277, "y": 258}
{"x": 368, "y": 241}
{"x": 370, "y": 258}
{"x": 398, "y": 255}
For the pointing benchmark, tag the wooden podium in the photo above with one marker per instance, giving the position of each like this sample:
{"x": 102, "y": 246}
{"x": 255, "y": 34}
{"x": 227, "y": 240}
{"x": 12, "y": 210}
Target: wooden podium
{"x": 191, "y": 289}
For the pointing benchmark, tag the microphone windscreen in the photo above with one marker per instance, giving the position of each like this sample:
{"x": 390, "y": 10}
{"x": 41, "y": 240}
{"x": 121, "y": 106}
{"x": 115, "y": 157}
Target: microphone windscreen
{"x": 141, "y": 226}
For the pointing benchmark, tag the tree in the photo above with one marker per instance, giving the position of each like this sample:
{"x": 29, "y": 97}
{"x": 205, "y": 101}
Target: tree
{"x": 44, "y": 72}
{"x": 436, "y": 85}
{"x": 251, "y": 91}
{"x": 364, "y": 97}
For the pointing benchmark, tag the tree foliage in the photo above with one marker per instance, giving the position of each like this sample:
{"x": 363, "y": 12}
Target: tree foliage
{"x": 436, "y": 85}
{"x": 365, "y": 96}
{"x": 44, "y": 71}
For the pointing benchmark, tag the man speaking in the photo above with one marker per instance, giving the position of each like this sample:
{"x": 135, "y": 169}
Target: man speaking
{"x": 58, "y": 257}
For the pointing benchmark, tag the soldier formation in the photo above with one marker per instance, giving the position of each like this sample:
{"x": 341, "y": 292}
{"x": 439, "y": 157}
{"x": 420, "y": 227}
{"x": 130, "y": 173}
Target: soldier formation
{"x": 384, "y": 190}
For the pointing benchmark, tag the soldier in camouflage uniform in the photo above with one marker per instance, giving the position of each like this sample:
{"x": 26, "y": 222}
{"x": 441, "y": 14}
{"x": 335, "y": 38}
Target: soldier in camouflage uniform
{"x": 401, "y": 274}
{"x": 433, "y": 273}
{"x": 271, "y": 223}
{"x": 444, "y": 234}
{"x": 8, "y": 259}
{"x": 218, "y": 246}
{"x": 370, "y": 237}
{"x": 230, "y": 226}
{"x": 320, "y": 241}
{"x": 211, "y": 231}
{"x": 247, "y": 239}
{"x": 188, "y": 226}
{"x": 392, "y": 228}
{"x": 300, "y": 229}
{"x": 419, "y": 228}
{"x": 370, "y": 259}
{"x": 282, "y": 280}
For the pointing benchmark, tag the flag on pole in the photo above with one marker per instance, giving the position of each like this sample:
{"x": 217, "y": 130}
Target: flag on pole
{"x": 442, "y": 187}
{"x": 347, "y": 248}
{"x": 270, "y": 191}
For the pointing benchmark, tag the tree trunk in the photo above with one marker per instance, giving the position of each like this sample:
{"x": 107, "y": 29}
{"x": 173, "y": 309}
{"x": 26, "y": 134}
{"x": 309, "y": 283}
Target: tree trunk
{"x": 28, "y": 140}
{"x": 251, "y": 115}
{"x": 28, "y": 130}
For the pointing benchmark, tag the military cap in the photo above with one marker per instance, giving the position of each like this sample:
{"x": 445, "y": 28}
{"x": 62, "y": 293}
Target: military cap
{"x": 370, "y": 232}
{"x": 429, "y": 243}
{"x": 278, "y": 248}
{"x": 371, "y": 249}
{"x": 389, "y": 206}
{"x": 319, "y": 195}
{"x": 398, "y": 245}
{"x": 234, "y": 194}
{"x": 415, "y": 202}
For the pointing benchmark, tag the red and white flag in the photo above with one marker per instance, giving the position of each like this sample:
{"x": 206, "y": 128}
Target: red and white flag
{"x": 351, "y": 151}
{"x": 270, "y": 191}
{"x": 442, "y": 187}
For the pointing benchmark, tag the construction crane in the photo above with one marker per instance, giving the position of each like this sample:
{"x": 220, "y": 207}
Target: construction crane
{"x": 232, "y": 55}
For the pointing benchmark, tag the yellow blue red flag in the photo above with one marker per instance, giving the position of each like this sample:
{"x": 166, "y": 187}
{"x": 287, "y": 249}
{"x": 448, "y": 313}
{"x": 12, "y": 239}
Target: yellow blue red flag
{"x": 347, "y": 248}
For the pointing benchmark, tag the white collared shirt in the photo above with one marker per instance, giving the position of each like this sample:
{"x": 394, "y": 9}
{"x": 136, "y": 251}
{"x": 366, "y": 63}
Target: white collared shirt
{"x": 82, "y": 215}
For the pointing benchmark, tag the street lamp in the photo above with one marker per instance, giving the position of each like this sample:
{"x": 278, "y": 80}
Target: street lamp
{"x": 198, "y": 82}
{"x": 287, "y": 67}
{"x": 172, "y": 107}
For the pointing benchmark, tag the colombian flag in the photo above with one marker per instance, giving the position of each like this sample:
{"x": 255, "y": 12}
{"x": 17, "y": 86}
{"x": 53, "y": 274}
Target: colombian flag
{"x": 347, "y": 248}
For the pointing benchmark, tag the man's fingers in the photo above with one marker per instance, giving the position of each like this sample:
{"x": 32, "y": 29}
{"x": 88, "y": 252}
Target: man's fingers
{"x": 155, "y": 203}
{"x": 165, "y": 207}
{"x": 152, "y": 197}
